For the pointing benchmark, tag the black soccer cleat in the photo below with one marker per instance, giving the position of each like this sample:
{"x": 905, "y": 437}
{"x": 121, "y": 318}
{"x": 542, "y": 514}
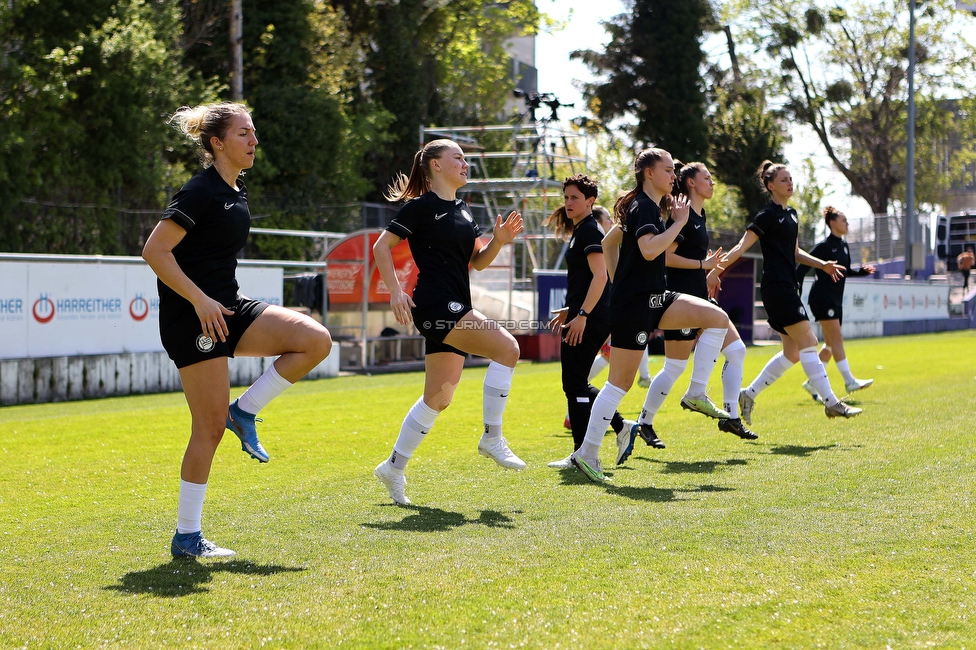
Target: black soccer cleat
{"x": 646, "y": 432}
{"x": 736, "y": 428}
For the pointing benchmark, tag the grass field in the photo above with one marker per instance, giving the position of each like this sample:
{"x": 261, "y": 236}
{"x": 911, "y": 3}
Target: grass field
{"x": 823, "y": 533}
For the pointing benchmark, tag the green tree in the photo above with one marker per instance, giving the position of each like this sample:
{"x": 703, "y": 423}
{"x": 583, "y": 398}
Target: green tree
{"x": 842, "y": 71}
{"x": 87, "y": 87}
{"x": 433, "y": 64}
{"x": 744, "y": 133}
{"x": 651, "y": 70}
{"x": 808, "y": 200}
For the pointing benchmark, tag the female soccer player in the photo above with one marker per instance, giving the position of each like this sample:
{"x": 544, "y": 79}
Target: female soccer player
{"x": 585, "y": 320}
{"x": 775, "y": 227}
{"x": 202, "y": 318}
{"x": 640, "y": 301}
{"x": 443, "y": 239}
{"x": 689, "y": 260}
{"x": 827, "y": 298}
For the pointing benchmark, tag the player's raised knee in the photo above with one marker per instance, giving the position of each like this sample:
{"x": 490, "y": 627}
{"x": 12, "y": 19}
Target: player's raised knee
{"x": 508, "y": 353}
{"x": 320, "y": 344}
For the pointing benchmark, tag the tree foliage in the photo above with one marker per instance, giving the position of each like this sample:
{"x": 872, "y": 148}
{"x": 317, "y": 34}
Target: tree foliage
{"x": 651, "y": 70}
{"x": 842, "y": 70}
{"x": 433, "y": 63}
{"x": 86, "y": 90}
{"x": 338, "y": 90}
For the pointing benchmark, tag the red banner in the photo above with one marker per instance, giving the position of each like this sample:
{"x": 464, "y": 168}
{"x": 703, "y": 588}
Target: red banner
{"x": 345, "y": 272}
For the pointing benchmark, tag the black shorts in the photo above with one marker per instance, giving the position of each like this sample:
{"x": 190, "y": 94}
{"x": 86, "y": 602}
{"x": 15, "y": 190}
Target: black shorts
{"x": 436, "y": 321}
{"x": 686, "y": 334}
{"x": 634, "y": 321}
{"x": 826, "y": 311}
{"x": 783, "y": 306}
{"x": 184, "y": 341}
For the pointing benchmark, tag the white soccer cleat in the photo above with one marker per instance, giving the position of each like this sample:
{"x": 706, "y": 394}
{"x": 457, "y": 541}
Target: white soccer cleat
{"x": 394, "y": 480}
{"x": 808, "y": 387}
{"x": 625, "y": 441}
{"x": 841, "y": 410}
{"x": 497, "y": 449}
{"x": 857, "y": 384}
{"x": 563, "y": 463}
{"x": 746, "y": 404}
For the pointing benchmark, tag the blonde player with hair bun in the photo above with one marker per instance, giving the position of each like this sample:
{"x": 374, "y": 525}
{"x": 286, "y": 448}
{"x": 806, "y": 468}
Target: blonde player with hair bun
{"x": 203, "y": 319}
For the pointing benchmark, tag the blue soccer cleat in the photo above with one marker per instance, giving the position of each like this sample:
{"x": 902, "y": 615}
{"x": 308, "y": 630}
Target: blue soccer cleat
{"x": 194, "y": 545}
{"x": 242, "y": 424}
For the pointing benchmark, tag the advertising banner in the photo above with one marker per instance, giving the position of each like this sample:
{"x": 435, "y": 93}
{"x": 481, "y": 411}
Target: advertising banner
{"x": 345, "y": 277}
{"x": 51, "y": 309}
{"x": 876, "y": 301}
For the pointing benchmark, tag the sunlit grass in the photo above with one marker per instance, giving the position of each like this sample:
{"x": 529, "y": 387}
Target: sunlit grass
{"x": 829, "y": 533}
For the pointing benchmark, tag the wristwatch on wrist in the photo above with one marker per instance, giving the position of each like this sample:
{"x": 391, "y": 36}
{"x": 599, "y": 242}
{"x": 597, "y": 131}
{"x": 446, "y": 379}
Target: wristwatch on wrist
{"x": 583, "y": 313}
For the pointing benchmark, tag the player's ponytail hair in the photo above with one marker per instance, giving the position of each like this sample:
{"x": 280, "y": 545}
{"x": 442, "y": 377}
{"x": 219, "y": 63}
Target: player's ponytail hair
{"x": 201, "y": 123}
{"x": 830, "y": 213}
{"x": 645, "y": 160}
{"x": 559, "y": 221}
{"x": 404, "y": 188}
{"x": 683, "y": 173}
{"x": 767, "y": 173}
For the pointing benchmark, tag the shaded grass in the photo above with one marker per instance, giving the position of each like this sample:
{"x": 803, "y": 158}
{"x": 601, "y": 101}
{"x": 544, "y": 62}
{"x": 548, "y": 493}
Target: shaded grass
{"x": 823, "y": 533}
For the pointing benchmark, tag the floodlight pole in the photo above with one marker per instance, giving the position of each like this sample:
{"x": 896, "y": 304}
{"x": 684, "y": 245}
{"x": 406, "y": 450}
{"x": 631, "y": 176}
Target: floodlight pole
{"x": 910, "y": 177}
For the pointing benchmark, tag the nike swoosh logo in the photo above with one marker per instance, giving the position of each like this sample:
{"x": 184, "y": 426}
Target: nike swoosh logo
{"x": 697, "y": 226}
{"x": 505, "y": 395}
{"x": 781, "y": 219}
{"x": 607, "y": 419}
{"x": 437, "y": 217}
{"x": 228, "y": 206}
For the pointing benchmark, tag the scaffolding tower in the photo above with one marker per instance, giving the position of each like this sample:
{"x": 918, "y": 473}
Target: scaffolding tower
{"x": 518, "y": 167}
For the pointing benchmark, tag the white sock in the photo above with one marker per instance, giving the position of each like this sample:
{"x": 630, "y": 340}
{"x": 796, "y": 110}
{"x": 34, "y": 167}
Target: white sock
{"x": 814, "y": 368}
{"x": 420, "y": 418}
{"x": 267, "y": 387}
{"x": 190, "y": 509}
{"x": 644, "y": 372}
{"x": 660, "y": 387}
{"x": 498, "y": 382}
{"x": 735, "y": 358}
{"x": 706, "y": 354}
{"x": 598, "y": 365}
{"x": 604, "y": 406}
{"x": 772, "y": 371}
{"x": 845, "y": 370}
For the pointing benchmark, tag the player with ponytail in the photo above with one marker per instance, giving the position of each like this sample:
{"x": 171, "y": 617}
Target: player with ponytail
{"x": 641, "y": 303}
{"x": 775, "y": 227}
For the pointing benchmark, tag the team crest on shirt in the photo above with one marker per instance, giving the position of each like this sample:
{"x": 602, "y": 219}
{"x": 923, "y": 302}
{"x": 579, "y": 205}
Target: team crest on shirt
{"x": 455, "y": 307}
{"x": 801, "y": 311}
{"x": 686, "y": 331}
{"x": 795, "y": 220}
{"x": 205, "y": 343}
{"x": 467, "y": 215}
{"x": 572, "y": 241}
{"x": 641, "y": 338}
{"x": 830, "y": 312}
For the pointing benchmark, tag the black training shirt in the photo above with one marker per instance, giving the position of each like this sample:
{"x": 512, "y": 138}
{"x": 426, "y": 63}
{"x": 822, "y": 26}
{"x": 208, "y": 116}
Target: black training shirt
{"x": 777, "y": 228}
{"x": 693, "y": 246}
{"x": 441, "y": 235}
{"x": 824, "y": 289}
{"x": 586, "y": 239}
{"x": 217, "y": 222}
{"x": 637, "y": 276}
